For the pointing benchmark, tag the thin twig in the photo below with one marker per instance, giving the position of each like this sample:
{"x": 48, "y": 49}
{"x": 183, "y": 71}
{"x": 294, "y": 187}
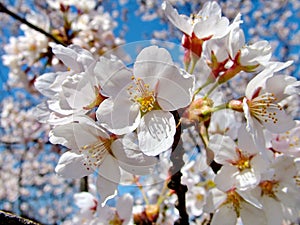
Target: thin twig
{"x": 4, "y": 9}
{"x": 11, "y": 219}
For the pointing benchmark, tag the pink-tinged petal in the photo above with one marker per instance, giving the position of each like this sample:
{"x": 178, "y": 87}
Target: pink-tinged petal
{"x": 174, "y": 90}
{"x": 223, "y": 148}
{"x": 251, "y": 215}
{"x": 273, "y": 210}
{"x": 108, "y": 179}
{"x": 113, "y": 76}
{"x": 133, "y": 160}
{"x": 72, "y": 165}
{"x": 156, "y": 132}
{"x": 179, "y": 21}
{"x": 224, "y": 215}
{"x": 119, "y": 116}
{"x": 284, "y": 121}
{"x": 124, "y": 207}
{"x": 225, "y": 177}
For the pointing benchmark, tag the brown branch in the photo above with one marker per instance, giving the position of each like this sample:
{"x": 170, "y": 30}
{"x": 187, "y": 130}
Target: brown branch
{"x": 11, "y": 219}
{"x": 175, "y": 181}
{"x": 4, "y": 9}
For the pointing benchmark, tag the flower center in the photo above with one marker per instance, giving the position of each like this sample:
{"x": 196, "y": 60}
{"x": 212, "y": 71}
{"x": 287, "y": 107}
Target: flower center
{"x": 267, "y": 188}
{"x": 260, "y": 106}
{"x": 116, "y": 220}
{"x": 243, "y": 161}
{"x": 142, "y": 95}
{"x": 96, "y": 152}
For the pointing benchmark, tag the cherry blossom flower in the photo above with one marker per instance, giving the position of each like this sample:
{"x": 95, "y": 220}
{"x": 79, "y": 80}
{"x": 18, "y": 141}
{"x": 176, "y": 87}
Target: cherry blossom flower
{"x": 261, "y": 103}
{"x": 207, "y": 24}
{"x": 143, "y": 101}
{"x": 230, "y": 205}
{"x": 92, "y": 148}
{"x": 242, "y": 163}
{"x": 76, "y": 91}
{"x": 277, "y": 191}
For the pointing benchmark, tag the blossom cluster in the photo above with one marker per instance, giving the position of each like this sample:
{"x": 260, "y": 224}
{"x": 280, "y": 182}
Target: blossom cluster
{"x": 83, "y": 23}
{"x": 227, "y": 108}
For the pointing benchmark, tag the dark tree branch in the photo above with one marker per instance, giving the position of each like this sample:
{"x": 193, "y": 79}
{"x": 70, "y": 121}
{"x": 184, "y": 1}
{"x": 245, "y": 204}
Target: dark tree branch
{"x": 175, "y": 181}
{"x": 84, "y": 185}
{"x": 24, "y": 21}
{"x": 11, "y": 219}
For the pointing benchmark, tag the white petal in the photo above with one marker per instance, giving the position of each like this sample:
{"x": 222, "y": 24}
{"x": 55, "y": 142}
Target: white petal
{"x": 245, "y": 141}
{"x": 73, "y": 57}
{"x": 124, "y": 206}
{"x": 251, "y": 215}
{"x": 151, "y": 63}
{"x": 223, "y": 148}
{"x": 76, "y": 135}
{"x": 113, "y": 76}
{"x": 85, "y": 201}
{"x": 284, "y": 122}
{"x": 108, "y": 179}
{"x": 41, "y": 112}
{"x": 156, "y": 132}
{"x": 213, "y": 26}
{"x": 225, "y": 178}
{"x": 210, "y": 9}
{"x": 277, "y": 85}
{"x": 224, "y": 215}
{"x": 273, "y": 210}
{"x": 43, "y": 83}
{"x": 119, "y": 116}
{"x": 174, "y": 90}
{"x": 79, "y": 90}
{"x": 133, "y": 160}
{"x": 71, "y": 165}
{"x": 178, "y": 21}
{"x": 259, "y": 79}
{"x": 214, "y": 199}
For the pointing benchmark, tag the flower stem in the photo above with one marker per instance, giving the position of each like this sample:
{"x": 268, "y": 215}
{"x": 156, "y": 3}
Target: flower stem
{"x": 24, "y": 21}
{"x": 175, "y": 181}
{"x": 211, "y": 90}
{"x": 139, "y": 185}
